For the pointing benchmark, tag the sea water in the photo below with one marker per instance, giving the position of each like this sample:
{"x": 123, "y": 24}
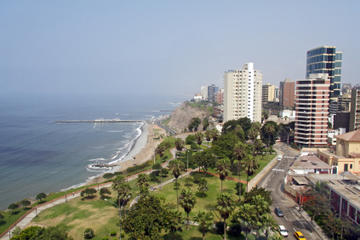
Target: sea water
{"x": 39, "y": 155}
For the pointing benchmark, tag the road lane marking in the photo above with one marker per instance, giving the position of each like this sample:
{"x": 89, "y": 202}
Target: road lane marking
{"x": 278, "y": 170}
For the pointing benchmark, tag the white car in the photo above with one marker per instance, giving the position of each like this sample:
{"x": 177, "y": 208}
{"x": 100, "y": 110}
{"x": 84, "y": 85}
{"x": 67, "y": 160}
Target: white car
{"x": 283, "y": 231}
{"x": 279, "y": 157}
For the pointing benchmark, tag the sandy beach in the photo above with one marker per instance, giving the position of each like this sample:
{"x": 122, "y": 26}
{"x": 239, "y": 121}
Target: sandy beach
{"x": 138, "y": 156}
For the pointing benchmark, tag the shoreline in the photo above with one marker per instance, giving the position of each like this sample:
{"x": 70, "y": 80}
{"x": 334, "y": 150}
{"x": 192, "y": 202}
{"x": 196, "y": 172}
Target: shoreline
{"x": 142, "y": 151}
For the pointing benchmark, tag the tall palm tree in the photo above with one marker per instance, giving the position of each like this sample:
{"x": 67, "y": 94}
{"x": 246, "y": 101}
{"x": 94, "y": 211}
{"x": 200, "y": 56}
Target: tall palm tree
{"x": 176, "y": 166}
{"x": 225, "y": 206}
{"x": 222, "y": 169}
{"x": 240, "y": 150}
{"x": 143, "y": 182}
{"x": 123, "y": 193}
{"x": 187, "y": 201}
{"x": 205, "y": 221}
{"x": 250, "y": 166}
{"x": 254, "y": 131}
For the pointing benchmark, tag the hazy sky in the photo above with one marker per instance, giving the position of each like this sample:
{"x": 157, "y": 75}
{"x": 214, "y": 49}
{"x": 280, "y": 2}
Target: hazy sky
{"x": 70, "y": 47}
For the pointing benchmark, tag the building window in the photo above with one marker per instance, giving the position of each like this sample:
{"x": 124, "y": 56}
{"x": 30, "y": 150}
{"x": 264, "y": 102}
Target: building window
{"x": 350, "y": 166}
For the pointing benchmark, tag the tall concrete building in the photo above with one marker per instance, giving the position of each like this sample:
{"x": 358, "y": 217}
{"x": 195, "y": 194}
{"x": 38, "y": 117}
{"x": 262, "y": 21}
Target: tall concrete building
{"x": 212, "y": 90}
{"x": 268, "y": 93}
{"x": 242, "y": 93}
{"x": 312, "y": 110}
{"x": 287, "y": 94}
{"x": 326, "y": 59}
{"x": 355, "y": 109}
{"x": 204, "y": 92}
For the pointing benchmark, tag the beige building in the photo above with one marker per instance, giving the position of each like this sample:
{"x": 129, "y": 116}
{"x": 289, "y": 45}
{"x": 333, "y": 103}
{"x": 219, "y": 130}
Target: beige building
{"x": 242, "y": 93}
{"x": 268, "y": 93}
{"x": 347, "y": 155}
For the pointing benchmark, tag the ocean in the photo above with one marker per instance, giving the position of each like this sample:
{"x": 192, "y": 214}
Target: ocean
{"x": 39, "y": 155}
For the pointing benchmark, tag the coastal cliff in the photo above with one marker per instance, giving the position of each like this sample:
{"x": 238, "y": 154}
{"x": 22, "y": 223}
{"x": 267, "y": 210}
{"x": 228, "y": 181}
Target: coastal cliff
{"x": 181, "y": 117}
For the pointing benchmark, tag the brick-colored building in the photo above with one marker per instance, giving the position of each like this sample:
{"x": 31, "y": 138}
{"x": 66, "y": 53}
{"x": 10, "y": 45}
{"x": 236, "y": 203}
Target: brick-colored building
{"x": 312, "y": 111}
{"x": 287, "y": 94}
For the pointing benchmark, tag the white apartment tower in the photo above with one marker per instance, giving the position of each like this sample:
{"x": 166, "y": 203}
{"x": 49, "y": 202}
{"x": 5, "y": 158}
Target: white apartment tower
{"x": 242, "y": 93}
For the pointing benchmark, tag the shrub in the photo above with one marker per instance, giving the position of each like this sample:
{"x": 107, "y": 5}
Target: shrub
{"x": 26, "y": 203}
{"x": 113, "y": 234}
{"x": 89, "y": 233}
{"x": 108, "y": 175}
{"x": 41, "y": 197}
{"x": 13, "y": 206}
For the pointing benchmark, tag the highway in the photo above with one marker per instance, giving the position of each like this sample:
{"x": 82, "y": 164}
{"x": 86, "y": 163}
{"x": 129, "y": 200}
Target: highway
{"x": 274, "y": 181}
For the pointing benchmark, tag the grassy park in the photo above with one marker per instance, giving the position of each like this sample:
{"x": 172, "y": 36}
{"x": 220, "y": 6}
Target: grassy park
{"x": 208, "y": 196}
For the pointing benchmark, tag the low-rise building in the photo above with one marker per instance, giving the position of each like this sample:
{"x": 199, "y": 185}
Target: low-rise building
{"x": 346, "y": 158}
{"x": 308, "y": 164}
{"x": 332, "y": 135}
{"x": 344, "y": 192}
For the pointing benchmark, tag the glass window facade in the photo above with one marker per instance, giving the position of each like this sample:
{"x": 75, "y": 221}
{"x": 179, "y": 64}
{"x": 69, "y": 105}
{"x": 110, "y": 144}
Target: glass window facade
{"x": 326, "y": 60}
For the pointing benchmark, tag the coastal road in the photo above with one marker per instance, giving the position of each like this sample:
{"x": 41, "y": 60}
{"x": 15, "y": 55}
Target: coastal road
{"x": 293, "y": 220}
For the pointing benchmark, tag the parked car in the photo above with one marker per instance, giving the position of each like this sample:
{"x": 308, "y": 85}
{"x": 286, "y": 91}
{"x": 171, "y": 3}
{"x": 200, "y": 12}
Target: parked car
{"x": 283, "y": 231}
{"x": 278, "y": 212}
{"x": 279, "y": 158}
{"x": 299, "y": 236}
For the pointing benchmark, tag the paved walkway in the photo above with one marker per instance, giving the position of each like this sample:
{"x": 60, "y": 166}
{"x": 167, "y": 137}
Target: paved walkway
{"x": 23, "y": 221}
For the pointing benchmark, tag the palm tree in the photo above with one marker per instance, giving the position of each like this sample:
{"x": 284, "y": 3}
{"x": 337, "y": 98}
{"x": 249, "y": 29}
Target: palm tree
{"x": 254, "y": 131}
{"x": 208, "y": 135}
{"x": 123, "y": 193}
{"x": 205, "y": 221}
{"x": 222, "y": 169}
{"x": 187, "y": 201}
{"x": 179, "y": 144}
{"x": 143, "y": 183}
{"x": 176, "y": 166}
{"x": 214, "y": 134}
{"x": 240, "y": 150}
{"x": 199, "y": 137}
{"x": 225, "y": 205}
{"x": 250, "y": 166}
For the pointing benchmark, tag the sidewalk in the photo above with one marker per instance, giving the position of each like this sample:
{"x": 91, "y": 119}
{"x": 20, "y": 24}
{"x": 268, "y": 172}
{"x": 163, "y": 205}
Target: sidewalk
{"x": 23, "y": 221}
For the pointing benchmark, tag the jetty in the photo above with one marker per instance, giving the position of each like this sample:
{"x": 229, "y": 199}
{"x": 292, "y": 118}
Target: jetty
{"x": 115, "y": 120}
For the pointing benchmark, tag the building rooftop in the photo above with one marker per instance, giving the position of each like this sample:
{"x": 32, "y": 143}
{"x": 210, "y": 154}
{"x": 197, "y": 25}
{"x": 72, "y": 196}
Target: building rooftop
{"x": 347, "y": 185}
{"x": 353, "y": 136}
{"x": 309, "y": 162}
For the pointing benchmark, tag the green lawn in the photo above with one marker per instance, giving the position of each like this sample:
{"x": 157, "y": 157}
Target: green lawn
{"x": 102, "y": 216}
{"x": 207, "y": 203}
{"x": 11, "y": 218}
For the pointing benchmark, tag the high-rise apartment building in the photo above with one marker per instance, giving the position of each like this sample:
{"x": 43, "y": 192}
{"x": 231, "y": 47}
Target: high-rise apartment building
{"x": 204, "y": 92}
{"x": 312, "y": 110}
{"x": 212, "y": 90}
{"x": 277, "y": 94}
{"x": 242, "y": 93}
{"x": 326, "y": 59}
{"x": 287, "y": 94}
{"x": 355, "y": 109}
{"x": 268, "y": 93}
